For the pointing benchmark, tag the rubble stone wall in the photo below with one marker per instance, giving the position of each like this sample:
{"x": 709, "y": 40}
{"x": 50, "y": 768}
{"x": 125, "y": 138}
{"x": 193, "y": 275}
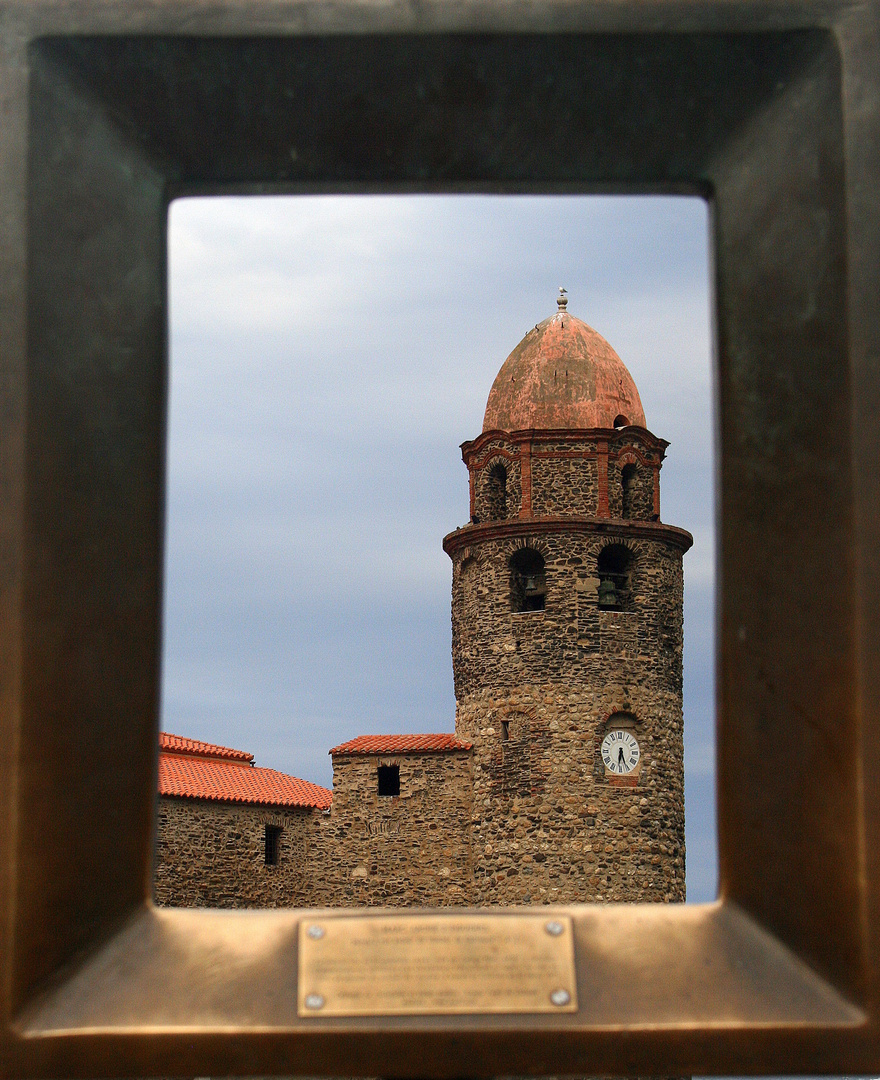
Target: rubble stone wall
{"x": 565, "y": 475}
{"x": 411, "y": 849}
{"x": 535, "y": 691}
{"x": 408, "y": 850}
{"x": 564, "y": 484}
{"x": 211, "y": 854}
{"x": 549, "y": 826}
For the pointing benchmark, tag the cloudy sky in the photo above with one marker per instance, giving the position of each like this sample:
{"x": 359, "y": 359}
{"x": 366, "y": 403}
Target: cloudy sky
{"x": 328, "y": 356}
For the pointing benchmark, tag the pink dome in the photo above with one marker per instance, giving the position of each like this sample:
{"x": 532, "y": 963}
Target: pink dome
{"x": 563, "y": 374}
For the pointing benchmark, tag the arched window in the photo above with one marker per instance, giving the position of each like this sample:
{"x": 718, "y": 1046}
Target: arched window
{"x": 614, "y": 566}
{"x": 528, "y": 581}
{"x": 628, "y": 478}
{"x": 496, "y": 492}
{"x": 621, "y": 421}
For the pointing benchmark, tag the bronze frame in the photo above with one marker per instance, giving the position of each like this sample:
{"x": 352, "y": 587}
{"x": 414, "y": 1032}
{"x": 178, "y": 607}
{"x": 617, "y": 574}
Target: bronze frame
{"x": 771, "y": 111}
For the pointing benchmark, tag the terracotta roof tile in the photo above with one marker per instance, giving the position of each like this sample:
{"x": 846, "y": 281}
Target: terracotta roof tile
{"x": 177, "y": 744}
{"x": 401, "y": 744}
{"x": 227, "y": 781}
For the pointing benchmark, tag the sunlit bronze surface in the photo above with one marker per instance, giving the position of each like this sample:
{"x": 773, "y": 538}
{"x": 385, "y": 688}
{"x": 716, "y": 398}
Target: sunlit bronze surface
{"x": 108, "y": 110}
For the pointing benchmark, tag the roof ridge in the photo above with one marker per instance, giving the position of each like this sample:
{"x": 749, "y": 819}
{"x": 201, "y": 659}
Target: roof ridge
{"x": 181, "y": 744}
{"x": 427, "y": 742}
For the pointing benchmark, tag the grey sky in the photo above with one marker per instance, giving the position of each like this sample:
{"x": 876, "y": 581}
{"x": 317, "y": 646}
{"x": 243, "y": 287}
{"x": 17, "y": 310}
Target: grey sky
{"x": 329, "y": 355}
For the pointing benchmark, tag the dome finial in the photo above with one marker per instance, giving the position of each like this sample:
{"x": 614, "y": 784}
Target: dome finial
{"x": 562, "y": 300}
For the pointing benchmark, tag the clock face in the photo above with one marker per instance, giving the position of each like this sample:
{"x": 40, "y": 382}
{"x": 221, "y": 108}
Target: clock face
{"x": 620, "y": 751}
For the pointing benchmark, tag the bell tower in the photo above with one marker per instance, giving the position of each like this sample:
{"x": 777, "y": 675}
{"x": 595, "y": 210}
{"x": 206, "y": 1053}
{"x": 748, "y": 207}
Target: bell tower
{"x": 567, "y": 597}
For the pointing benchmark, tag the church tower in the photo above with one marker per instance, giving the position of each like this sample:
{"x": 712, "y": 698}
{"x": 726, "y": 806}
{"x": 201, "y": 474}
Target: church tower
{"x": 567, "y": 601}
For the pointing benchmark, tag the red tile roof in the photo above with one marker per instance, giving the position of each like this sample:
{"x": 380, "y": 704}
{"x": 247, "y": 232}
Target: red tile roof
{"x": 177, "y": 744}
{"x": 401, "y": 744}
{"x": 195, "y": 770}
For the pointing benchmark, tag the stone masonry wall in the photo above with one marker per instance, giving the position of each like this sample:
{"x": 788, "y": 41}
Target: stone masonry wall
{"x": 564, "y": 484}
{"x": 493, "y": 646}
{"x": 548, "y": 824}
{"x": 412, "y": 849}
{"x": 564, "y": 473}
{"x": 211, "y": 854}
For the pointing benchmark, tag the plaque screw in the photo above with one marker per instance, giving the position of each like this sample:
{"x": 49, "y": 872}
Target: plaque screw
{"x": 315, "y": 1001}
{"x": 316, "y": 932}
{"x": 558, "y": 997}
{"x": 554, "y": 928}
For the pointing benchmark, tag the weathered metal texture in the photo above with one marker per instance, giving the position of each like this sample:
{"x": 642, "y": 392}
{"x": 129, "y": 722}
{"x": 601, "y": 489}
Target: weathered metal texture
{"x": 563, "y": 374}
{"x": 770, "y": 110}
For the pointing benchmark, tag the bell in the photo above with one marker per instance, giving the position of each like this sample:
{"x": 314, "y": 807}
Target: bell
{"x": 607, "y": 594}
{"x": 530, "y": 583}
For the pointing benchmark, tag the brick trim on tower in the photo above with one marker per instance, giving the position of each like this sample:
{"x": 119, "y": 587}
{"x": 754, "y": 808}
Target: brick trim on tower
{"x": 603, "y": 509}
{"x": 495, "y": 530}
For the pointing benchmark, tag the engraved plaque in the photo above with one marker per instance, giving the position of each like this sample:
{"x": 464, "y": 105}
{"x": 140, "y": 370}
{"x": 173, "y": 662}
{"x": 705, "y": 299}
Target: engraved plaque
{"x": 396, "y": 965}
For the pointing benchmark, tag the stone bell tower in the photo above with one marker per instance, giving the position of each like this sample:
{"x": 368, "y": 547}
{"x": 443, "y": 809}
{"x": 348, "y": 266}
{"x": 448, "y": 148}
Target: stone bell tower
{"x": 567, "y": 633}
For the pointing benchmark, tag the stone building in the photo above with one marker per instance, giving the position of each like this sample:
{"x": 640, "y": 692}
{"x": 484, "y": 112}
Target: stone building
{"x": 229, "y": 834}
{"x": 564, "y": 779}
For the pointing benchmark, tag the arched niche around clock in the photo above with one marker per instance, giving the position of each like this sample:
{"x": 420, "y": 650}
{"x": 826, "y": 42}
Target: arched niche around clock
{"x": 620, "y": 749}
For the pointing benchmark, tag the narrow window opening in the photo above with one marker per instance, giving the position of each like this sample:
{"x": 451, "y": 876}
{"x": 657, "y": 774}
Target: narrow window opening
{"x": 628, "y": 482}
{"x": 505, "y": 730}
{"x": 614, "y": 565}
{"x": 496, "y": 492}
{"x": 272, "y": 845}
{"x": 389, "y": 780}
{"x": 528, "y": 581}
